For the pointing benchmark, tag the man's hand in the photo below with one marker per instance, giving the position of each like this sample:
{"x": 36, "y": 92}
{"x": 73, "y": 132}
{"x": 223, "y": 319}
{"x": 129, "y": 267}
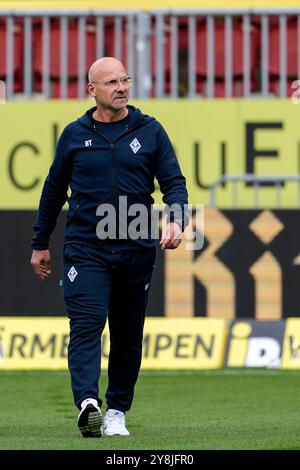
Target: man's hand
{"x": 171, "y": 236}
{"x": 40, "y": 262}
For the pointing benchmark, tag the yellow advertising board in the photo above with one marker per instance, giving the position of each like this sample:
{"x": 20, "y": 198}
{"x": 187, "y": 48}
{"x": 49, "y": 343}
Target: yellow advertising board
{"x": 210, "y": 138}
{"x": 28, "y": 343}
{"x": 291, "y": 344}
{"x": 41, "y": 343}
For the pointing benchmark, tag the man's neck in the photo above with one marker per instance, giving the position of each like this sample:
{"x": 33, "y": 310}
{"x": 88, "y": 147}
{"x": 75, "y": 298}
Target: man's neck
{"x": 107, "y": 115}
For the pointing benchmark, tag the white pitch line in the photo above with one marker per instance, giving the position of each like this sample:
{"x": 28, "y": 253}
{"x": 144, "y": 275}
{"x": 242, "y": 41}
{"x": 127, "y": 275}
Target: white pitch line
{"x": 199, "y": 373}
{"x": 225, "y": 372}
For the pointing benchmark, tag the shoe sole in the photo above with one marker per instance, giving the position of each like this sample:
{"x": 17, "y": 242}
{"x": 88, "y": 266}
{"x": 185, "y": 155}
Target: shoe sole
{"x": 90, "y": 423}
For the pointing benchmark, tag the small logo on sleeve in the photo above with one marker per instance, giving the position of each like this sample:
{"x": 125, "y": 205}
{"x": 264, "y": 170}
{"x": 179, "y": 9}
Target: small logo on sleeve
{"x": 88, "y": 143}
{"x": 72, "y": 274}
{"x": 135, "y": 145}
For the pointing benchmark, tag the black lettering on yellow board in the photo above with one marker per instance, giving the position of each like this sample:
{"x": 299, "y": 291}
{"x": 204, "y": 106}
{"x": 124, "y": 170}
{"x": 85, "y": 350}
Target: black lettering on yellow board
{"x": 64, "y": 346}
{"x": 17, "y": 150}
{"x": 146, "y": 345}
{"x": 12, "y": 163}
{"x": 198, "y": 170}
{"x": 181, "y": 345}
{"x": 17, "y": 343}
{"x": 197, "y": 341}
{"x": 294, "y": 347}
{"x": 52, "y": 346}
{"x": 252, "y": 153}
{"x": 162, "y": 342}
{"x": 207, "y": 348}
{"x": 37, "y": 346}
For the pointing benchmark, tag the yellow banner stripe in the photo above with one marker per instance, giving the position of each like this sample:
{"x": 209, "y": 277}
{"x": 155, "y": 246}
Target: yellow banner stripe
{"x": 145, "y": 4}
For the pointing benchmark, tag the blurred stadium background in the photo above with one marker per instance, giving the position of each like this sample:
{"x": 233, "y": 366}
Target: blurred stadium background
{"x": 222, "y": 78}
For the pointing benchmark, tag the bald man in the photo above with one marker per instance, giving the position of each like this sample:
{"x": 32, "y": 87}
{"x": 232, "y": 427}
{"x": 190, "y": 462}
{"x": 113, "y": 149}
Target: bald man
{"x": 109, "y": 159}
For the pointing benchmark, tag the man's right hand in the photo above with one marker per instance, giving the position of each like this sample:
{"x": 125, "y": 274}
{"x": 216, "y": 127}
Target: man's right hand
{"x": 40, "y": 262}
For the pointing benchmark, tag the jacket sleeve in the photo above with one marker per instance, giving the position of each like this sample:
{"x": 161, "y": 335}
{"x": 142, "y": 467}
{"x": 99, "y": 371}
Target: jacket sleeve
{"x": 54, "y": 194}
{"x": 171, "y": 181}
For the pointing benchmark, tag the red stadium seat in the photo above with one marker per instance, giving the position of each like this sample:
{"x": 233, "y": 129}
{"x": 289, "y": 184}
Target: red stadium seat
{"x": 18, "y": 56}
{"x": 55, "y": 46}
{"x": 72, "y": 57}
{"x": 220, "y": 87}
{"x": 167, "y": 44}
{"x": 109, "y": 40}
{"x": 257, "y": 20}
{"x": 293, "y": 55}
{"x": 219, "y": 58}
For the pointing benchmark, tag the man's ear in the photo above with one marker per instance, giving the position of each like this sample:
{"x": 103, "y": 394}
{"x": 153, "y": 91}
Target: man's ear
{"x": 91, "y": 90}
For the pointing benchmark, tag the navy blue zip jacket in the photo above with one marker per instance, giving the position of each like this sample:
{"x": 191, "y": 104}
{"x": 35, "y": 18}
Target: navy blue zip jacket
{"x": 99, "y": 171}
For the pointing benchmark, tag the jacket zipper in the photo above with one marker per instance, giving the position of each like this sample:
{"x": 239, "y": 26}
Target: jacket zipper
{"x": 113, "y": 174}
{"x": 113, "y": 171}
{"x": 113, "y": 157}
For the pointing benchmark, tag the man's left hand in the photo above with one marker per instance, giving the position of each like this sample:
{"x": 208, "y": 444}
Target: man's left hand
{"x": 171, "y": 236}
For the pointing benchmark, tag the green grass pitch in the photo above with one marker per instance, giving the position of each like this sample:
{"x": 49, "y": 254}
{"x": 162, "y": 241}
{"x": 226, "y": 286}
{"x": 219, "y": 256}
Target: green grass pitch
{"x": 223, "y": 409}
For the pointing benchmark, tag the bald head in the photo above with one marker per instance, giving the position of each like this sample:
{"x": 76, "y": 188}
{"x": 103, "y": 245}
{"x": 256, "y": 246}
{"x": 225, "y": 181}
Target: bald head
{"x": 109, "y": 86}
{"x": 104, "y": 67}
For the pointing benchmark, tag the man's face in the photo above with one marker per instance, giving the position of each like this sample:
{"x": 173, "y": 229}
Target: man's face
{"x": 110, "y": 87}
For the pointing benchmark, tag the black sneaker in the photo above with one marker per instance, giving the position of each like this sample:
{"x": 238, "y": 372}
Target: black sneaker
{"x": 90, "y": 419}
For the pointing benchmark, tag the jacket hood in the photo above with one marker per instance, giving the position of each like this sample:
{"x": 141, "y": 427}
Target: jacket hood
{"x": 136, "y": 118}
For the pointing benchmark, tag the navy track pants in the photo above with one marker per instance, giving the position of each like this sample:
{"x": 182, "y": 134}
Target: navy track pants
{"x": 98, "y": 284}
